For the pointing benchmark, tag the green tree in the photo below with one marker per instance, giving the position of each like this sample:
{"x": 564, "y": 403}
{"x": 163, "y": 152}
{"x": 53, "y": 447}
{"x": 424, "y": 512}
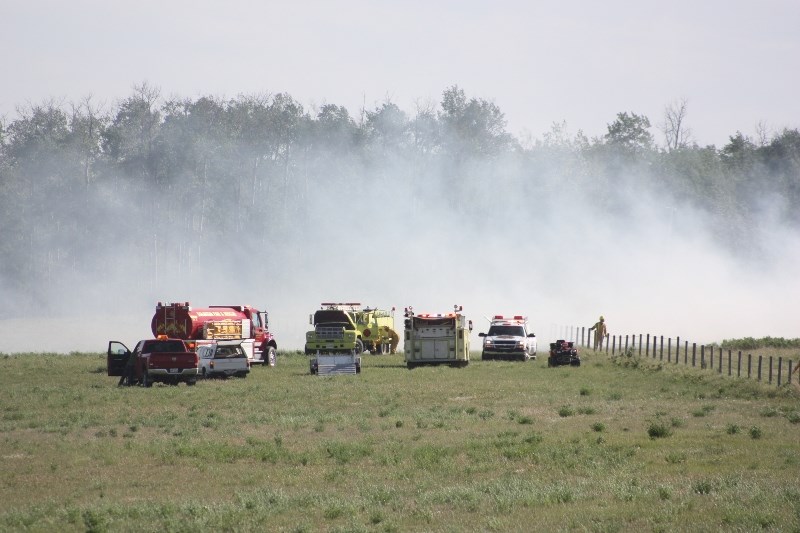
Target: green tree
{"x": 130, "y": 137}
{"x": 472, "y": 128}
{"x": 629, "y": 133}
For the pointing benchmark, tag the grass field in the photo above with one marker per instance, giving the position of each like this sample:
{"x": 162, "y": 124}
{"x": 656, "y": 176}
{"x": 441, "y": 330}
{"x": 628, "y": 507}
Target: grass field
{"x": 616, "y": 445}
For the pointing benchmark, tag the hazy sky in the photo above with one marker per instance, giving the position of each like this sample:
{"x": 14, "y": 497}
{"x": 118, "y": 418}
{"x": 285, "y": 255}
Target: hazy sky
{"x": 736, "y": 62}
{"x": 541, "y": 62}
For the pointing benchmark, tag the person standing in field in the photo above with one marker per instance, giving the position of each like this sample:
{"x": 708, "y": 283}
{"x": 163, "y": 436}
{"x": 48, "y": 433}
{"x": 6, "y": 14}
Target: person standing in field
{"x": 129, "y": 374}
{"x": 393, "y": 337}
{"x": 600, "y": 332}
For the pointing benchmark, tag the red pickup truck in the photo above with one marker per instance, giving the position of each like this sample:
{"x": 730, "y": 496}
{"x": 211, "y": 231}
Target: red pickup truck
{"x": 162, "y": 360}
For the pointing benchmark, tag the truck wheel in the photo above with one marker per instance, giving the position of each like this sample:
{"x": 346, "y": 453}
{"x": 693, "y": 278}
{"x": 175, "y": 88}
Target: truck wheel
{"x": 384, "y": 348}
{"x": 146, "y": 382}
{"x": 359, "y": 349}
{"x": 272, "y": 356}
{"x": 205, "y": 373}
{"x": 191, "y": 382}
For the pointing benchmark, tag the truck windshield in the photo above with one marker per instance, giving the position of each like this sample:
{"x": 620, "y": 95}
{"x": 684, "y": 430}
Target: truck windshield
{"x": 333, "y": 317}
{"x": 514, "y": 331}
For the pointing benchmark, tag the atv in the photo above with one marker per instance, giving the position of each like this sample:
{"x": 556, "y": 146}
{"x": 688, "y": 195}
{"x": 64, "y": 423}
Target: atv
{"x": 563, "y": 353}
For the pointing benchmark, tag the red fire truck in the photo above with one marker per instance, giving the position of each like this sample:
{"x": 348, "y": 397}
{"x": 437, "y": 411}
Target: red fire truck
{"x": 200, "y": 325}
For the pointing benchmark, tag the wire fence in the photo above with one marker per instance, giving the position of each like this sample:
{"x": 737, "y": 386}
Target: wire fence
{"x": 769, "y": 369}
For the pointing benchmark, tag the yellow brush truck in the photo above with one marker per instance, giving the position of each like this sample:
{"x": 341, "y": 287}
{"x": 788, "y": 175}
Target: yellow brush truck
{"x": 436, "y": 339}
{"x": 347, "y": 329}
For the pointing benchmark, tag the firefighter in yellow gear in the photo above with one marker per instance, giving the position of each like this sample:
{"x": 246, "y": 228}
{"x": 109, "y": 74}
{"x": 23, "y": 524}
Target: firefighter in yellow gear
{"x": 393, "y": 338}
{"x": 600, "y": 332}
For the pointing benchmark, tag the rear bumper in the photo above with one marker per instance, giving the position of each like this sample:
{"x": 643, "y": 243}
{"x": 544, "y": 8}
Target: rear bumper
{"x": 228, "y": 372}
{"x": 165, "y": 372}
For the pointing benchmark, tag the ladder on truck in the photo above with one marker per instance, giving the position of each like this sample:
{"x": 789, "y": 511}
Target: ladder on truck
{"x": 170, "y": 319}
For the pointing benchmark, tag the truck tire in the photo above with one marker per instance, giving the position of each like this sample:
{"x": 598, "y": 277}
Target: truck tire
{"x": 146, "y": 381}
{"x": 359, "y": 349}
{"x": 271, "y": 356}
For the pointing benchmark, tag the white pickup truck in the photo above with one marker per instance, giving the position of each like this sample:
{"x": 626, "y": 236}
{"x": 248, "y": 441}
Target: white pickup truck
{"x": 224, "y": 358}
{"x": 508, "y": 338}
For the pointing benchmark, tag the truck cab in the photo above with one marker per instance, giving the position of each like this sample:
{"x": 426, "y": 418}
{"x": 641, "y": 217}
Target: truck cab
{"x": 347, "y": 327}
{"x": 508, "y": 338}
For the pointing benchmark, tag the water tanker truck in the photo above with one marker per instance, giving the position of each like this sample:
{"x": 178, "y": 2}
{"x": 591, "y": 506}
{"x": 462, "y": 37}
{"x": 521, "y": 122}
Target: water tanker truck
{"x": 203, "y": 325}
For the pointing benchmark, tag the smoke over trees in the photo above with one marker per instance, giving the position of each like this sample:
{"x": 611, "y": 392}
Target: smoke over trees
{"x": 162, "y": 183}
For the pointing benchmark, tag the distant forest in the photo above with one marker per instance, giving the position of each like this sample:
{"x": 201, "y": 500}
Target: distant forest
{"x": 156, "y": 182}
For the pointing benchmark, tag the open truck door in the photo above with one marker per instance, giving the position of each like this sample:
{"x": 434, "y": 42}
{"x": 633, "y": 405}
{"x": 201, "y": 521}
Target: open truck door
{"x": 117, "y": 358}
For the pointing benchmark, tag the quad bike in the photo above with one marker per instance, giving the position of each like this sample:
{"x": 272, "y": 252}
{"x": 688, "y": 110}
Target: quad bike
{"x": 563, "y": 353}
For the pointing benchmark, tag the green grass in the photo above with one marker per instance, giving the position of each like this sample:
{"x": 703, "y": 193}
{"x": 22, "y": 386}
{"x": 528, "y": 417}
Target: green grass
{"x": 495, "y": 446}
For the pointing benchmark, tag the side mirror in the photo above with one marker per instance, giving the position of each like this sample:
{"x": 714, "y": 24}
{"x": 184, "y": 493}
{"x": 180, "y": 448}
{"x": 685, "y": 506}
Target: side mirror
{"x": 311, "y": 319}
{"x": 481, "y": 334}
{"x": 470, "y": 325}
{"x": 531, "y": 334}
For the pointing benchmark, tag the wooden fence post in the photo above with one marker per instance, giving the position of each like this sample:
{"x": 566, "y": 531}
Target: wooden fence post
{"x": 729, "y": 362}
{"x": 694, "y": 352}
{"x": 669, "y": 349}
{"x": 770, "y": 370}
{"x": 661, "y": 351}
{"x": 647, "y": 348}
{"x": 677, "y": 350}
{"x": 739, "y": 365}
{"x": 686, "y": 353}
{"x": 712, "y": 357}
{"x": 759, "y": 367}
{"x": 626, "y": 344}
{"x": 613, "y": 345}
{"x": 607, "y": 343}
{"x": 640, "y": 344}
{"x": 790, "y": 372}
{"x": 702, "y": 356}
{"x": 780, "y": 368}
{"x": 720, "y": 360}
{"x": 749, "y": 365}
{"x": 654, "y": 346}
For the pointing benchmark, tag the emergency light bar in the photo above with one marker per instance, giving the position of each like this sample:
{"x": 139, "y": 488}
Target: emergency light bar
{"x": 331, "y": 304}
{"x": 515, "y": 317}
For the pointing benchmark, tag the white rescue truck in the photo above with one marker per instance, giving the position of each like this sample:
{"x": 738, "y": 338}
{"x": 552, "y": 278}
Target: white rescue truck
{"x": 436, "y": 339}
{"x": 508, "y": 339}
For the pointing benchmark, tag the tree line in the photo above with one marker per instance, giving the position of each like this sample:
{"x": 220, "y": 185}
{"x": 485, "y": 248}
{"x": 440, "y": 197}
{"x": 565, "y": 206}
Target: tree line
{"x": 160, "y": 181}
